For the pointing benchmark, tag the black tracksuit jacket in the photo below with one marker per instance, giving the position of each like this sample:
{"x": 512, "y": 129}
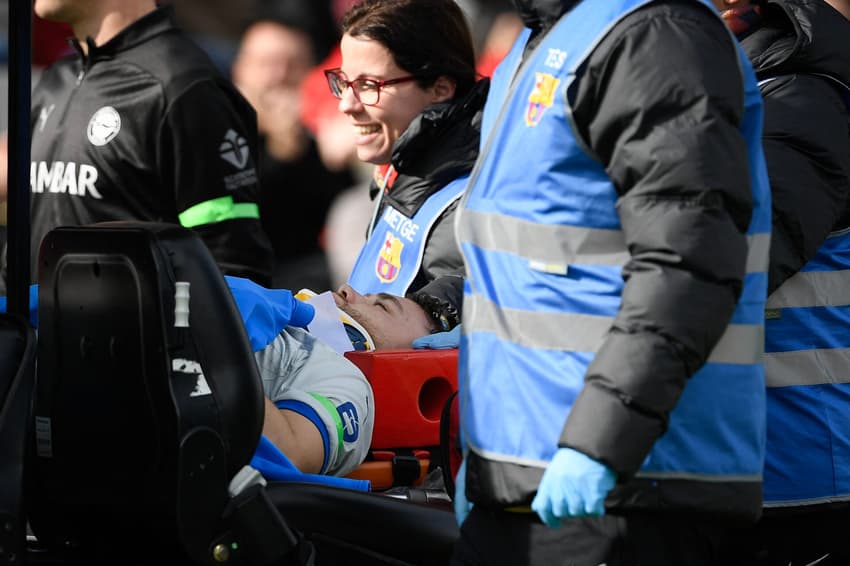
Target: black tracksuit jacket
{"x": 145, "y": 128}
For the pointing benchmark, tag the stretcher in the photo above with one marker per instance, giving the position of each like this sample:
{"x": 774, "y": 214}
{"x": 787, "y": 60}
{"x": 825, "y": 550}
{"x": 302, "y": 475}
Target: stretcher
{"x": 412, "y": 389}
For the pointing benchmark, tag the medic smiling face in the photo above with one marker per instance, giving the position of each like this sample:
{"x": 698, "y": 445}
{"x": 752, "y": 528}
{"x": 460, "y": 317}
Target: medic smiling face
{"x": 376, "y": 128}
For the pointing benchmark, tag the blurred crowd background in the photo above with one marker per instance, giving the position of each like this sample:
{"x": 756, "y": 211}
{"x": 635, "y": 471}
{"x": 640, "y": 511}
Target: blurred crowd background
{"x": 315, "y": 204}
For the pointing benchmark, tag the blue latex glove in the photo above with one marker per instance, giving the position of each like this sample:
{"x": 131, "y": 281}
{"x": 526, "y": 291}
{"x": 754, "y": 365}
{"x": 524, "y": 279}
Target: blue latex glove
{"x": 439, "y": 341}
{"x": 462, "y": 506}
{"x": 267, "y": 311}
{"x": 574, "y": 485}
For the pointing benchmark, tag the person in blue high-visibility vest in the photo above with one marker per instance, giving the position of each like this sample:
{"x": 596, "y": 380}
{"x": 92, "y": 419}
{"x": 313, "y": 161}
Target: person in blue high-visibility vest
{"x": 801, "y": 53}
{"x": 408, "y": 85}
{"x": 615, "y": 233}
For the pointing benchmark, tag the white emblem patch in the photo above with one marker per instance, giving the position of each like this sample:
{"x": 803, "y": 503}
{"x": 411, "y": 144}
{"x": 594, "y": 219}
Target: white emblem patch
{"x": 234, "y": 149}
{"x": 104, "y": 126}
{"x": 44, "y": 115}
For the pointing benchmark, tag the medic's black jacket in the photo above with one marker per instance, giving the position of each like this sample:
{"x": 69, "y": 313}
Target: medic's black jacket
{"x": 144, "y": 127}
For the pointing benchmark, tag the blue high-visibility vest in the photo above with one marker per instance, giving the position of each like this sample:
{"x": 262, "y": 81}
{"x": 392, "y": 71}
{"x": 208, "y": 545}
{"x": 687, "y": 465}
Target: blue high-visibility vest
{"x": 544, "y": 251}
{"x": 392, "y": 255}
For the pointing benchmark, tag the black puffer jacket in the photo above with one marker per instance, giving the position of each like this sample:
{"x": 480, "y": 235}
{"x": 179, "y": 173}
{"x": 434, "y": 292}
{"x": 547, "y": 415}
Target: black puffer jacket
{"x": 440, "y": 145}
{"x": 806, "y": 127}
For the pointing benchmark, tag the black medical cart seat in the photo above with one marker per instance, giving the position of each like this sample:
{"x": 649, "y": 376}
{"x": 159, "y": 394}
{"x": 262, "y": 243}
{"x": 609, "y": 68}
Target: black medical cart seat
{"x": 139, "y": 422}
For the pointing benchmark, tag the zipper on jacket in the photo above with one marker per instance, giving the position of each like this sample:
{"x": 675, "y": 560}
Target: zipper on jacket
{"x": 85, "y": 67}
{"x": 86, "y": 58}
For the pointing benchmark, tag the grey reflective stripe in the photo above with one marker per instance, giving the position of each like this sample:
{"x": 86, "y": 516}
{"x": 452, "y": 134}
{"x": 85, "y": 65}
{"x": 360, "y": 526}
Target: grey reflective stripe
{"x": 812, "y": 501}
{"x": 740, "y": 344}
{"x": 758, "y": 253}
{"x": 547, "y": 243}
{"x": 812, "y": 289}
{"x": 571, "y": 332}
{"x": 497, "y": 457}
{"x": 698, "y": 477}
{"x": 807, "y": 367}
{"x": 557, "y": 245}
{"x": 671, "y": 475}
{"x": 535, "y": 329}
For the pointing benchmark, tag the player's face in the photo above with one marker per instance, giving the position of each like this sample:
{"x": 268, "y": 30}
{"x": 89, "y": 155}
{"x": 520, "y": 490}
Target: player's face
{"x": 393, "y": 322}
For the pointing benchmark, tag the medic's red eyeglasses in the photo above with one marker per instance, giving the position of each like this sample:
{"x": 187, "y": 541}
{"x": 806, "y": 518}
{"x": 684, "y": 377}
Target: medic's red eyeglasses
{"x": 367, "y": 91}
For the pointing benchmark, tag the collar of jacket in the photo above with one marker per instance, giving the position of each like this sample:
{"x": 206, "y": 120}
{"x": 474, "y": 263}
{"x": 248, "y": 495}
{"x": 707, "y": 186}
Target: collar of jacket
{"x": 152, "y": 24}
{"x": 438, "y": 146}
{"x": 800, "y": 36}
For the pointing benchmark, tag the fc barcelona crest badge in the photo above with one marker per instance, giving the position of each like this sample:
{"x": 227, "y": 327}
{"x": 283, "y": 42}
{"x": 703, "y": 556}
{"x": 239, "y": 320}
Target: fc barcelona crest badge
{"x": 389, "y": 259}
{"x": 541, "y": 98}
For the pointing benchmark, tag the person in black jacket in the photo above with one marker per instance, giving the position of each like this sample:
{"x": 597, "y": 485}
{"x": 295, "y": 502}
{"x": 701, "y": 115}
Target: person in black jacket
{"x": 801, "y": 53}
{"x": 408, "y": 84}
{"x": 139, "y": 125}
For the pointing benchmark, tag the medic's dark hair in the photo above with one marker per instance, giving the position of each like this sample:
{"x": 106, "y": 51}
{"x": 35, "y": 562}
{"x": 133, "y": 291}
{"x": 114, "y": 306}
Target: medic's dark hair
{"x": 427, "y": 38}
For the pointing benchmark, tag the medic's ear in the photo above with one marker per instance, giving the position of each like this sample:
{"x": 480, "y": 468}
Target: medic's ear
{"x": 443, "y": 89}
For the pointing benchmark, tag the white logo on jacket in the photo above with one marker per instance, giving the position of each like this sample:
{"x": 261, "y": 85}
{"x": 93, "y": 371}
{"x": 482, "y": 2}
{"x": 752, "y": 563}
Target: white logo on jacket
{"x": 64, "y": 178}
{"x": 234, "y": 149}
{"x": 44, "y": 115}
{"x": 104, "y": 126}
